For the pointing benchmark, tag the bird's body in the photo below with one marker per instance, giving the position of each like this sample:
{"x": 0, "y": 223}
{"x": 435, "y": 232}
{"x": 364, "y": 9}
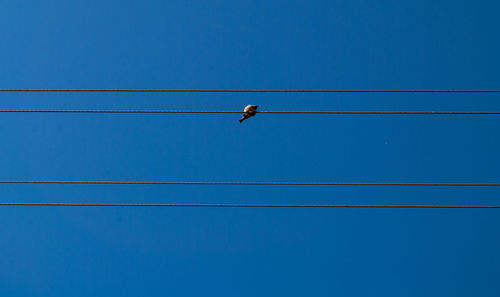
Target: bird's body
{"x": 249, "y": 111}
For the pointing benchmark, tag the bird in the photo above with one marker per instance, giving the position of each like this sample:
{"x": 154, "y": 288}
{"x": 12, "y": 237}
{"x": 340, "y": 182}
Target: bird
{"x": 249, "y": 112}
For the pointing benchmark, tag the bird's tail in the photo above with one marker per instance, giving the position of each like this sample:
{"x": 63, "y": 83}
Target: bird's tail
{"x": 242, "y": 119}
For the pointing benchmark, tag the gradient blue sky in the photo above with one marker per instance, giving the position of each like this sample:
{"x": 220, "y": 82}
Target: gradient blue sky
{"x": 249, "y": 252}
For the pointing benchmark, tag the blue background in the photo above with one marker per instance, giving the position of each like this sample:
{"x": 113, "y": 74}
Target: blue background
{"x": 249, "y": 252}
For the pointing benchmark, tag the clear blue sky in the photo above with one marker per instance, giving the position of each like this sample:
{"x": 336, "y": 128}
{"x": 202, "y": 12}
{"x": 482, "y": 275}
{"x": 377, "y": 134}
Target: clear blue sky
{"x": 249, "y": 252}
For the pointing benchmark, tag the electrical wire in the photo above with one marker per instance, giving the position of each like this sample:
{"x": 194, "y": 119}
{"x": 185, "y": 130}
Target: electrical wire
{"x": 244, "y": 91}
{"x": 244, "y": 205}
{"x": 251, "y": 183}
{"x": 268, "y": 112}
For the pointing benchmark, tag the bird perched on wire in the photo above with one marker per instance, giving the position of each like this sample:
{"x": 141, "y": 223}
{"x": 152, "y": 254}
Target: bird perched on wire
{"x": 249, "y": 112}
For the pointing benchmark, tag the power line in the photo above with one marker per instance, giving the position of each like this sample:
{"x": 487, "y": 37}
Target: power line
{"x": 244, "y": 205}
{"x": 244, "y": 91}
{"x": 269, "y": 112}
{"x": 250, "y": 183}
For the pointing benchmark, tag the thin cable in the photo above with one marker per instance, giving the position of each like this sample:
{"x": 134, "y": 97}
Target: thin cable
{"x": 269, "y": 112}
{"x": 249, "y": 183}
{"x": 244, "y": 91}
{"x": 246, "y": 205}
